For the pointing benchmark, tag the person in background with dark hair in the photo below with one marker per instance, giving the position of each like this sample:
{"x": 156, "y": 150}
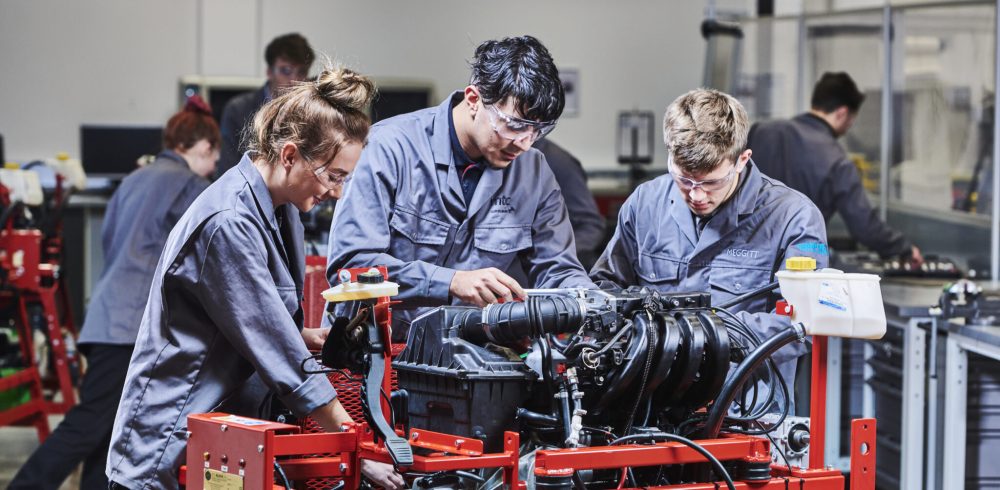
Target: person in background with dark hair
{"x": 804, "y": 154}
{"x": 139, "y": 216}
{"x": 289, "y": 58}
{"x": 587, "y": 222}
{"x": 449, "y": 197}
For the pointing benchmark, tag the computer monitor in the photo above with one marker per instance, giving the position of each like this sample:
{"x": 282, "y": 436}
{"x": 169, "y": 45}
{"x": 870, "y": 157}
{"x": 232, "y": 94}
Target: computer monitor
{"x": 114, "y": 149}
{"x": 217, "y": 91}
{"x": 392, "y": 101}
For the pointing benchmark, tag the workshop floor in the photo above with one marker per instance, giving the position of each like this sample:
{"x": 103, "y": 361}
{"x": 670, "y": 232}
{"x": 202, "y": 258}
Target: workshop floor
{"x": 16, "y": 444}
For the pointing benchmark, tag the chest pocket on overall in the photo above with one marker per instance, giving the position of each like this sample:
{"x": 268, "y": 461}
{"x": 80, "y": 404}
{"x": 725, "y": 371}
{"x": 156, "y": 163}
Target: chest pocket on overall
{"x": 423, "y": 237}
{"x": 496, "y": 246}
{"x": 729, "y": 281}
{"x": 656, "y": 272}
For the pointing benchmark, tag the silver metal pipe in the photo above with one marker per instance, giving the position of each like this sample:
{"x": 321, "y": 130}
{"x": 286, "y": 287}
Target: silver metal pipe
{"x": 995, "y": 215}
{"x": 886, "y": 136}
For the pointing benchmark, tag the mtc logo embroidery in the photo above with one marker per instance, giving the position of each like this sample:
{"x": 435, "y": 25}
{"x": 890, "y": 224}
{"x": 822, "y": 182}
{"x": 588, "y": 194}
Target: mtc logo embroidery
{"x": 742, "y": 252}
{"x": 501, "y": 204}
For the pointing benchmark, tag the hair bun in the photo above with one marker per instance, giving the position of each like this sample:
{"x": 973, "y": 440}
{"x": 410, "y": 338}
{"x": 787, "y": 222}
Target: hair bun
{"x": 343, "y": 87}
{"x": 197, "y": 105}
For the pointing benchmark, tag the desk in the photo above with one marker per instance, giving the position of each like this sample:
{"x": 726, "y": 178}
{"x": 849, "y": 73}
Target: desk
{"x": 962, "y": 339}
{"x": 907, "y": 304}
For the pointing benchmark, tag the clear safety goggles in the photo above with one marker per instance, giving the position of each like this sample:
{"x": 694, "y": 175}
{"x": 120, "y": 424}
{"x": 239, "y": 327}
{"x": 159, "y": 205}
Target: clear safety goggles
{"x": 712, "y": 185}
{"x": 517, "y": 129}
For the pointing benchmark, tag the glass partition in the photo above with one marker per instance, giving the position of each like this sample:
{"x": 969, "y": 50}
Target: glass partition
{"x": 852, "y": 43}
{"x": 940, "y": 189}
{"x": 769, "y": 73}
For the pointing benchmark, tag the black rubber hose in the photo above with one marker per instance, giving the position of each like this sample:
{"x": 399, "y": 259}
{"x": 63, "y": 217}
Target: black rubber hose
{"x": 537, "y": 418}
{"x": 721, "y": 470}
{"x": 717, "y": 412}
{"x": 9, "y": 212}
{"x": 752, "y": 294}
{"x": 513, "y": 322}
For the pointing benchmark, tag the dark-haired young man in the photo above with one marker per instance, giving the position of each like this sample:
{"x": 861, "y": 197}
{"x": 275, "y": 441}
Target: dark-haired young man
{"x": 448, "y": 197}
{"x": 803, "y": 152}
{"x": 288, "y": 58}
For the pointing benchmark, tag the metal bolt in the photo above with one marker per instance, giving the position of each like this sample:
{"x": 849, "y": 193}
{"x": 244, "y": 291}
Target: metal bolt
{"x": 260, "y": 448}
{"x": 458, "y": 443}
{"x": 343, "y": 467}
{"x": 224, "y": 427}
{"x": 415, "y": 436}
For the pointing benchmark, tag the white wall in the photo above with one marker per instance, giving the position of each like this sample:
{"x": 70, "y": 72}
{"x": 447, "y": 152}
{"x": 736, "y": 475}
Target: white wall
{"x": 118, "y": 61}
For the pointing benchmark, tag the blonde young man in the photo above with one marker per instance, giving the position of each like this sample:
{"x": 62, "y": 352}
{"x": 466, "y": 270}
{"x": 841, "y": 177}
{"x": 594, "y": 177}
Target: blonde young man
{"x": 714, "y": 223}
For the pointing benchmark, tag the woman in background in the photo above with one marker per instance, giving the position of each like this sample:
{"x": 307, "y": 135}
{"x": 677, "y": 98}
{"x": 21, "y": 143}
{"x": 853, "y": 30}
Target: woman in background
{"x": 226, "y": 294}
{"x": 139, "y": 217}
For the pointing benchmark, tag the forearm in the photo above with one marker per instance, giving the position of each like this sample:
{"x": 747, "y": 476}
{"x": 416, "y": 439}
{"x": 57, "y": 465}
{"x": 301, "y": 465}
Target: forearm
{"x": 332, "y": 416}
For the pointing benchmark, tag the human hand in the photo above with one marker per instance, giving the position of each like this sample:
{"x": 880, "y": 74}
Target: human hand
{"x": 485, "y": 286}
{"x": 382, "y": 474}
{"x": 315, "y": 337}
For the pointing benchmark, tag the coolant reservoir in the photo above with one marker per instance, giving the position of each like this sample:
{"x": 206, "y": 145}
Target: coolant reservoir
{"x": 830, "y": 302}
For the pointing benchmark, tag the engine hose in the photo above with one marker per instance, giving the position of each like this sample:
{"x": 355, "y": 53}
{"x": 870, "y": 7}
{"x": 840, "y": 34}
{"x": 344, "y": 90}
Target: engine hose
{"x": 752, "y": 294}
{"x": 537, "y": 418}
{"x": 512, "y": 322}
{"x": 717, "y": 412}
{"x": 9, "y": 211}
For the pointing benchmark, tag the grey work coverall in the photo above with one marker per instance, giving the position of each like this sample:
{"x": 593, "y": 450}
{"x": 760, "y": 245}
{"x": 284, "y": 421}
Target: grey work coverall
{"x": 739, "y": 250}
{"x": 404, "y": 209}
{"x": 225, "y": 304}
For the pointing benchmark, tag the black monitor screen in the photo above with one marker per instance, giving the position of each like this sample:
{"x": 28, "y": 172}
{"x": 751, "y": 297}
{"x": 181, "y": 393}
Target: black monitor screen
{"x": 393, "y": 102}
{"x": 220, "y": 96}
{"x": 115, "y": 149}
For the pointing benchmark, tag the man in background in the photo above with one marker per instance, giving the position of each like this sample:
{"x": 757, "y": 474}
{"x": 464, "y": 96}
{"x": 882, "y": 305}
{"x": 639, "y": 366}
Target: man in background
{"x": 804, "y": 154}
{"x": 289, "y": 58}
{"x": 588, "y": 224}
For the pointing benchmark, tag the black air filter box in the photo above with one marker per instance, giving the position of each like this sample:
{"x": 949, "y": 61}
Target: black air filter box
{"x": 456, "y": 387}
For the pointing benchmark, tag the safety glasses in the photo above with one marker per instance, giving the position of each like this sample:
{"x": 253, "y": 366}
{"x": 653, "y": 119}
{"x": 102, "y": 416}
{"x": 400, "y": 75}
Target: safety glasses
{"x": 517, "y": 129}
{"x": 688, "y": 185}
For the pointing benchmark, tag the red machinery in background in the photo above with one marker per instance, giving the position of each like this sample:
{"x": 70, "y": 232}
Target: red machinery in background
{"x": 255, "y": 454}
{"x": 33, "y": 292}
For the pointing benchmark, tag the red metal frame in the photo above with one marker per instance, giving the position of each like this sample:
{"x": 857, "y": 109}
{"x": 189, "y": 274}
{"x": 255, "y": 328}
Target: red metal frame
{"x": 31, "y": 262}
{"x": 450, "y": 452}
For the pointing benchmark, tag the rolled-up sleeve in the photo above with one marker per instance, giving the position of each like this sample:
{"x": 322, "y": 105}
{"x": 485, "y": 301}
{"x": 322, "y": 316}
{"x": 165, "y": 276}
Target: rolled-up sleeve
{"x": 360, "y": 231}
{"x": 240, "y": 296}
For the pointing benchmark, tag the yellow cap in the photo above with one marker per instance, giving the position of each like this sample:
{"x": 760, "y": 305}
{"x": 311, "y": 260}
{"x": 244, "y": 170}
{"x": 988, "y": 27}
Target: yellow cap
{"x": 62, "y": 155}
{"x": 11, "y": 166}
{"x": 800, "y": 264}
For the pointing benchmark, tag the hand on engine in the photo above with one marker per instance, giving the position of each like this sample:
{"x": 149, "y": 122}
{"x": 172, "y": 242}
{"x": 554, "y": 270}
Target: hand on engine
{"x": 382, "y": 474}
{"x": 315, "y": 337}
{"x": 916, "y": 256}
{"x": 485, "y": 286}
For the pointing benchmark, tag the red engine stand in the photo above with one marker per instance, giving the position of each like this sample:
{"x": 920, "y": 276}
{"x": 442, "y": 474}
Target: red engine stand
{"x": 446, "y": 452}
